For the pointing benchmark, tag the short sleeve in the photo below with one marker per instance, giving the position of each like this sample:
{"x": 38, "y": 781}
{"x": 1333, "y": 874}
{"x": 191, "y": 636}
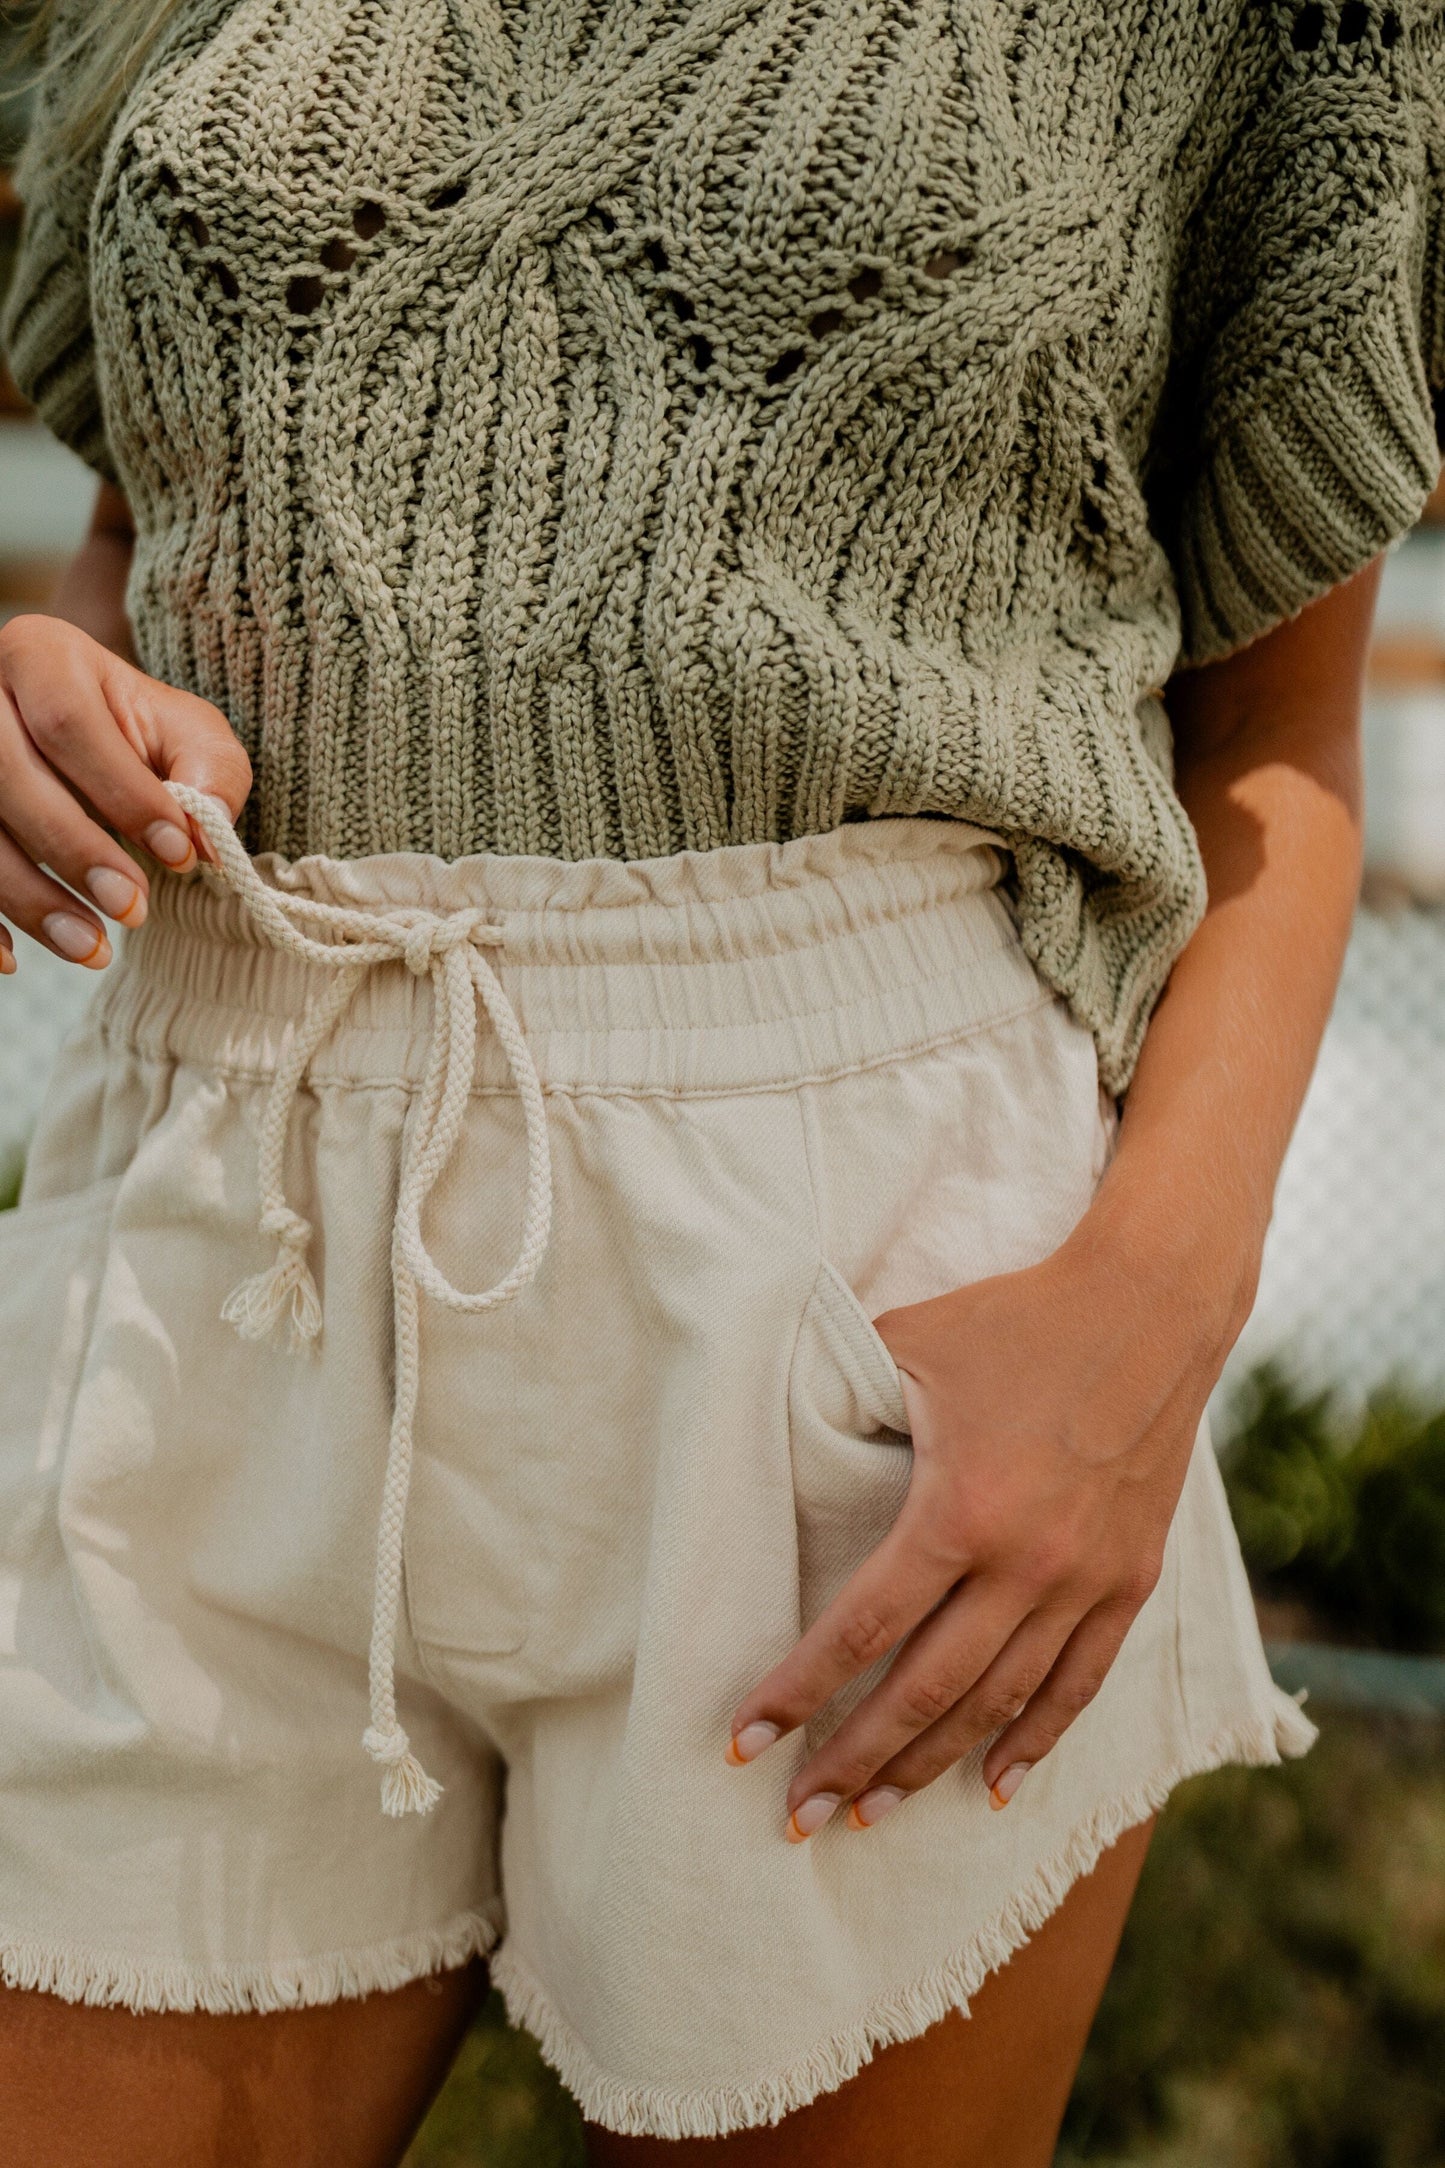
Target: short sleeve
{"x": 46, "y": 325}
{"x": 1297, "y": 434}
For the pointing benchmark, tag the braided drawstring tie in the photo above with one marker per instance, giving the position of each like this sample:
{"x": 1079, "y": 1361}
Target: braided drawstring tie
{"x": 448, "y": 949}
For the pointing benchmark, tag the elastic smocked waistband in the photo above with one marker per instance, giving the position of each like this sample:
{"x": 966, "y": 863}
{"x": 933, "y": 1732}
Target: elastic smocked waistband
{"x": 752, "y": 965}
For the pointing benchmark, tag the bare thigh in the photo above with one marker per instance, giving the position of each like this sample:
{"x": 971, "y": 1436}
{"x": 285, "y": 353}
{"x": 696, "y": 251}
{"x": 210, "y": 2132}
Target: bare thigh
{"x": 976, "y": 2092}
{"x": 343, "y": 2086}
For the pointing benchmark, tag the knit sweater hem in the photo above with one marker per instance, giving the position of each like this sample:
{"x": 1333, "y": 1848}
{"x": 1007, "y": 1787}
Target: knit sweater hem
{"x": 609, "y": 444}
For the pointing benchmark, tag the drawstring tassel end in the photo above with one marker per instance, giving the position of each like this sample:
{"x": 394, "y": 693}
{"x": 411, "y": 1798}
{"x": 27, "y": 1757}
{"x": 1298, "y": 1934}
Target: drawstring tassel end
{"x": 448, "y": 948}
{"x": 254, "y": 1305}
{"x": 406, "y": 1788}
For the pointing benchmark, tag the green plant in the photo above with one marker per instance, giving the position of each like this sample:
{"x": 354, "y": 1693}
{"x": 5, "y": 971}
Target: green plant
{"x": 1391, "y": 1580}
{"x": 1344, "y": 1514}
{"x": 1279, "y": 2001}
{"x": 1286, "y": 1477}
{"x": 501, "y": 2107}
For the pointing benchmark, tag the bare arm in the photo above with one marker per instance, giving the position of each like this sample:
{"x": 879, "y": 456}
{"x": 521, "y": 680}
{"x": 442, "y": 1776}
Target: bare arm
{"x": 1054, "y": 1410}
{"x": 91, "y": 590}
{"x": 1269, "y": 773}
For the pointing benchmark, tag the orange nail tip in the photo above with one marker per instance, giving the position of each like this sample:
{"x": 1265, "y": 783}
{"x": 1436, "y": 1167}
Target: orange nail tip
{"x": 733, "y": 1757}
{"x": 855, "y": 1819}
{"x": 751, "y": 1740}
{"x": 796, "y": 1835}
{"x": 1007, "y": 1783}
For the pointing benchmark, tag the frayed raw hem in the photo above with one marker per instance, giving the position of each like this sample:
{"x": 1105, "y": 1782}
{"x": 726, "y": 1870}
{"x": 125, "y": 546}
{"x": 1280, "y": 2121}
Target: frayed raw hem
{"x": 648, "y": 2111}
{"x": 232, "y": 1990}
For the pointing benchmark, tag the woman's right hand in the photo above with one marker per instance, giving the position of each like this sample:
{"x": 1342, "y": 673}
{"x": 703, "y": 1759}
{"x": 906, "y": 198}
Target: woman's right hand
{"x": 85, "y": 741}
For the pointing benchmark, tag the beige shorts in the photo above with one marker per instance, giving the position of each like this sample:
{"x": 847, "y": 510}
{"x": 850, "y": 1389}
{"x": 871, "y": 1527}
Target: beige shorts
{"x": 685, "y": 1125}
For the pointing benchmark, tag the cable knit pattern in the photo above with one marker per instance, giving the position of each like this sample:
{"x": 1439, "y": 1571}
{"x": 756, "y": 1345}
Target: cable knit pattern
{"x": 616, "y": 427}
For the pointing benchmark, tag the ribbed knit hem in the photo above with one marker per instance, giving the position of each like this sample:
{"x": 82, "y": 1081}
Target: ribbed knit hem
{"x": 639, "y": 2111}
{"x": 1326, "y": 465}
{"x": 103, "y": 1978}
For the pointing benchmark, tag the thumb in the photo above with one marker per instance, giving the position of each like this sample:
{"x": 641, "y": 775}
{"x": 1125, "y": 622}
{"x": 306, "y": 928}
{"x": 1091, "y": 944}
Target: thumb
{"x": 196, "y": 745}
{"x": 207, "y": 817}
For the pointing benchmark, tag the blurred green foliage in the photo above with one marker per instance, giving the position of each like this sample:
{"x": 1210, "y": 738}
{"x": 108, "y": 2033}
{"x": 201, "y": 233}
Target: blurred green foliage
{"x": 14, "y": 95}
{"x": 501, "y": 2107}
{"x": 1279, "y": 2001}
{"x": 1344, "y": 1514}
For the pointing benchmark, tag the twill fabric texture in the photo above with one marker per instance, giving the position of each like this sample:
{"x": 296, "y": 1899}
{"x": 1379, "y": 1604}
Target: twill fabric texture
{"x": 615, "y": 429}
{"x": 530, "y": 1562}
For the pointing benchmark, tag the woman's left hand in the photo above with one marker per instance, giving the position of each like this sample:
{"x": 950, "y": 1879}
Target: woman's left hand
{"x": 1053, "y": 1411}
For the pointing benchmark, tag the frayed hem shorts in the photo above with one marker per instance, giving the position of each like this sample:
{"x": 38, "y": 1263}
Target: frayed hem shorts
{"x": 439, "y": 1381}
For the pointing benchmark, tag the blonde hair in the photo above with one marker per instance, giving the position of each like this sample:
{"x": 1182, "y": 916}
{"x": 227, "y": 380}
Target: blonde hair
{"x": 100, "y": 44}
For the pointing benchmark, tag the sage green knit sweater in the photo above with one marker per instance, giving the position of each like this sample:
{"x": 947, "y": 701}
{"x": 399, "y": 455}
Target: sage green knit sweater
{"x": 616, "y": 427}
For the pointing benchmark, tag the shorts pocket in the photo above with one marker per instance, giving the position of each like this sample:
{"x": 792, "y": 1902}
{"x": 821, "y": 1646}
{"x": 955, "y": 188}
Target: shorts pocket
{"x": 464, "y": 1548}
{"x": 852, "y": 1459}
{"x": 52, "y": 1254}
{"x": 861, "y": 1351}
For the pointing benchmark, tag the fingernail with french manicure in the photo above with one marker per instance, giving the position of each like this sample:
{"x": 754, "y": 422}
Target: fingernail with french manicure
{"x": 118, "y": 897}
{"x": 75, "y": 939}
{"x": 1003, "y": 1790}
{"x": 751, "y": 1741}
{"x": 171, "y": 845}
{"x": 870, "y": 1807}
{"x": 806, "y": 1820}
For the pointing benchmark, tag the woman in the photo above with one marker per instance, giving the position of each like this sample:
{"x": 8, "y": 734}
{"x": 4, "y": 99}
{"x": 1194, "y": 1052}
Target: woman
{"x": 666, "y": 529}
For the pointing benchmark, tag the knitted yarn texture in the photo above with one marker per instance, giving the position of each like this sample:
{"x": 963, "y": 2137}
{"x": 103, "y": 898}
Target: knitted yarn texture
{"x": 623, "y": 427}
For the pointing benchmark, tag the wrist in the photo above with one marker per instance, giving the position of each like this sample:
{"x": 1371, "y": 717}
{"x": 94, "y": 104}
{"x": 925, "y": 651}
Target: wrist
{"x": 92, "y": 590}
{"x": 1188, "y": 1250}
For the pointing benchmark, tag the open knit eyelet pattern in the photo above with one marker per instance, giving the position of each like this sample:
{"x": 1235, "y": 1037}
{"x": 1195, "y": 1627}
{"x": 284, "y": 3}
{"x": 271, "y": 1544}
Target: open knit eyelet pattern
{"x": 609, "y": 433}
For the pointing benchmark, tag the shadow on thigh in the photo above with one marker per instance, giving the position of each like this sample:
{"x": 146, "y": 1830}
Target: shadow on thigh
{"x": 972, "y": 2092}
{"x": 343, "y": 2085}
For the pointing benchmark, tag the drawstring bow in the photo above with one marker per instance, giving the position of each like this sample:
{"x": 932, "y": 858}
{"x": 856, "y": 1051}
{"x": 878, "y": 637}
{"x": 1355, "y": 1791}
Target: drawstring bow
{"x": 449, "y": 949}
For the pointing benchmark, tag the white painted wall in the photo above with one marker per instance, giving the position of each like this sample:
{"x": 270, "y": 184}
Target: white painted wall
{"x": 45, "y": 493}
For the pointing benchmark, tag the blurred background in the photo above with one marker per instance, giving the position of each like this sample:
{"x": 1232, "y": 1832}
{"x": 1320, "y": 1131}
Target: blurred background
{"x": 1280, "y": 1998}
